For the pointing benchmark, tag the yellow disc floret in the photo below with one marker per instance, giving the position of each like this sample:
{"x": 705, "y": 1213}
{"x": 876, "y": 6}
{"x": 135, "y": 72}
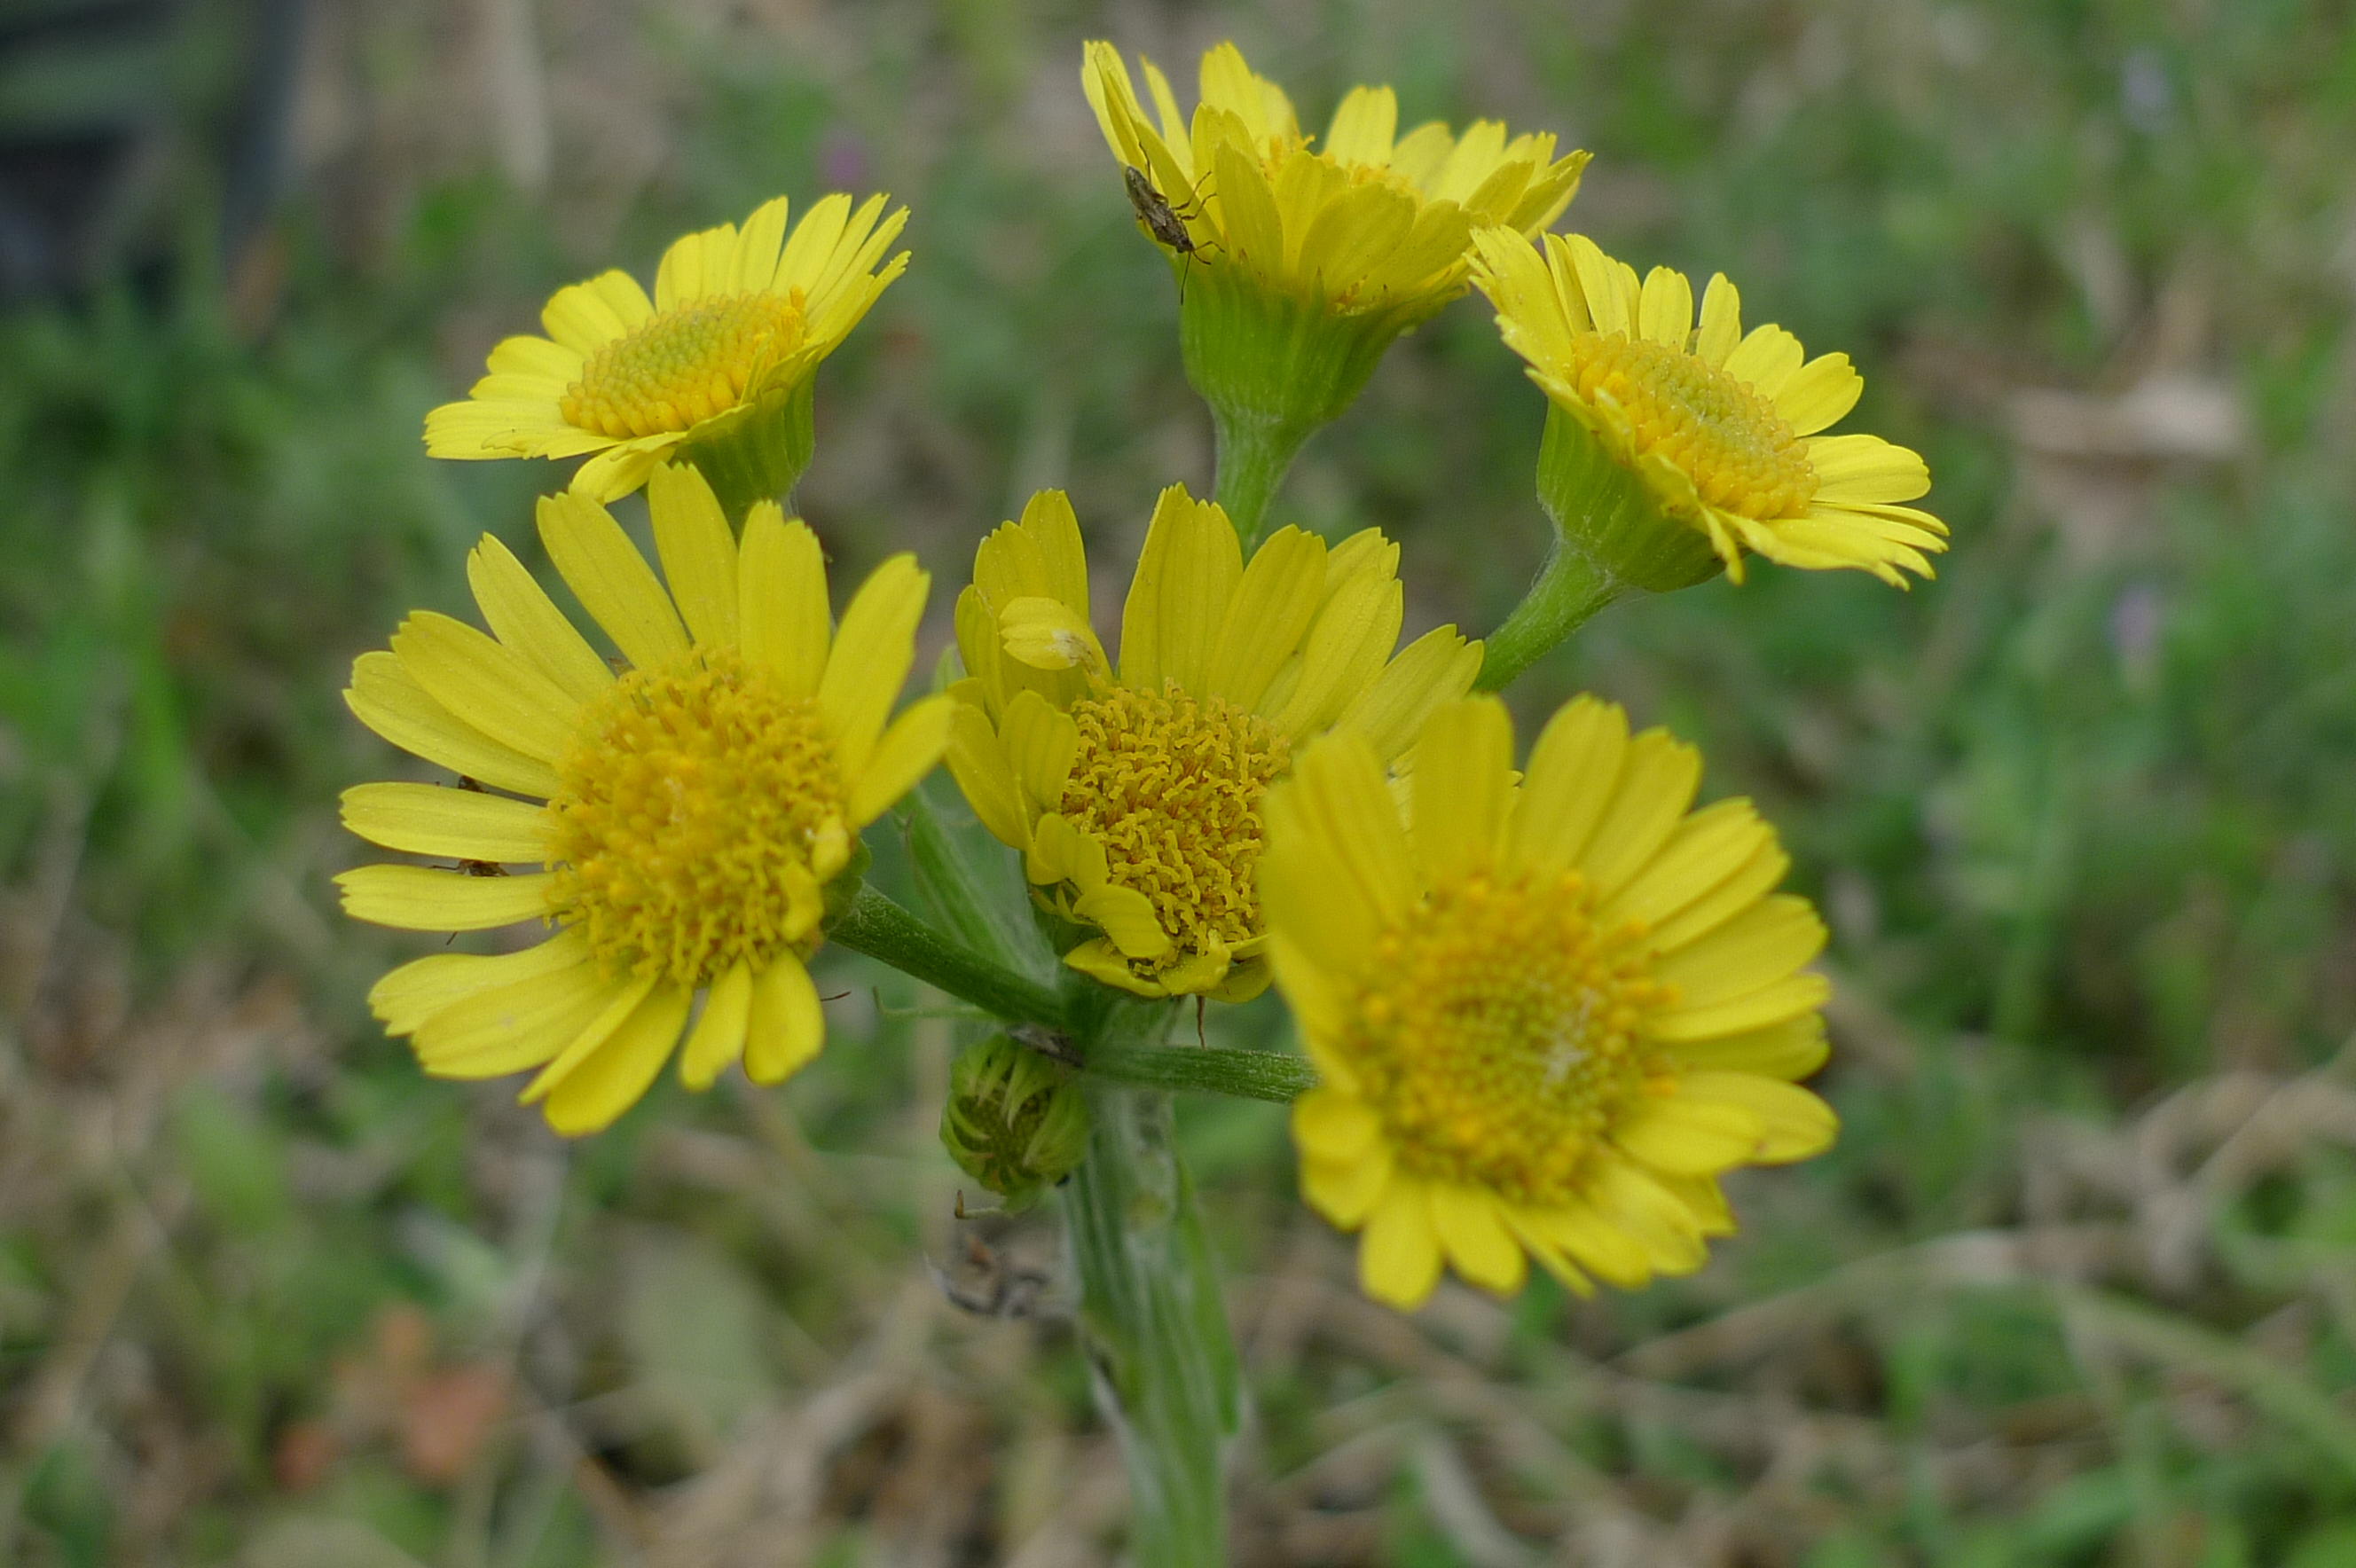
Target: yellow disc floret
{"x": 1172, "y": 786}
{"x": 1741, "y": 455}
{"x": 684, "y": 365}
{"x": 699, "y": 813}
{"x": 1499, "y": 1038}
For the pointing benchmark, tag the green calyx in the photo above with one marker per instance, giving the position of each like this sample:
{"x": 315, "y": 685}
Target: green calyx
{"x": 1014, "y": 1121}
{"x": 1610, "y": 537}
{"x": 1273, "y": 367}
{"x": 757, "y": 454}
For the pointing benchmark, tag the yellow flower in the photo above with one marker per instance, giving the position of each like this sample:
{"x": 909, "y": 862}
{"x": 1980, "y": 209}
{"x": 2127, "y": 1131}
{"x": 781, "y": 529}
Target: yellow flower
{"x": 738, "y": 325}
{"x": 1547, "y": 1018}
{"x": 1371, "y": 221}
{"x": 1135, "y": 797}
{"x": 688, "y": 812}
{"x": 1719, "y": 427}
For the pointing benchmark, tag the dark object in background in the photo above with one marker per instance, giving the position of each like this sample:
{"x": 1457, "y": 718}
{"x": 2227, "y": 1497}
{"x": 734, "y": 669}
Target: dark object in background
{"x": 127, "y": 127}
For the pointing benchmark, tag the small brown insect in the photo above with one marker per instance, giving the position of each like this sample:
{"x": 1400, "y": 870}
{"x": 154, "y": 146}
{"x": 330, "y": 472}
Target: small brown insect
{"x": 1162, "y": 220}
{"x": 470, "y": 786}
{"x": 482, "y": 868}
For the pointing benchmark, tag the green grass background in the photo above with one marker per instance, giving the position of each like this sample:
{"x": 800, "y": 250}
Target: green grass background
{"x": 2078, "y": 1287}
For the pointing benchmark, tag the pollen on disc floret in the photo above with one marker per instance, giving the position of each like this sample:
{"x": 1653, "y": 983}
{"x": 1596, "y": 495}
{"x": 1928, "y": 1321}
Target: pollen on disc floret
{"x": 1741, "y": 455}
{"x": 684, "y": 366}
{"x": 700, "y": 812}
{"x": 1172, "y": 785}
{"x": 1499, "y": 1037}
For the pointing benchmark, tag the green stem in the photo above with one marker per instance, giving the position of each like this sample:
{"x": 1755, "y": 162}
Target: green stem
{"x": 1241, "y": 1074}
{"x": 876, "y": 926}
{"x": 1570, "y": 589}
{"x": 1154, "y": 1325}
{"x": 1254, "y": 452}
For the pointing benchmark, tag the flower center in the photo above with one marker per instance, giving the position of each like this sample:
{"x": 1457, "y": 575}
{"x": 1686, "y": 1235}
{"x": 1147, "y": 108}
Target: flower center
{"x": 684, "y": 366}
{"x": 1171, "y": 787}
{"x": 1498, "y": 1033}
{"x": 1739, "y": 452}
{"x": 694, "y": 802}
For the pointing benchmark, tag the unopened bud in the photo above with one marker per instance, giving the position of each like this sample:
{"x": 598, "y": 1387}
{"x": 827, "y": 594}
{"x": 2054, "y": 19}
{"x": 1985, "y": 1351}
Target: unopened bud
{"x": 1014, "y": 1121}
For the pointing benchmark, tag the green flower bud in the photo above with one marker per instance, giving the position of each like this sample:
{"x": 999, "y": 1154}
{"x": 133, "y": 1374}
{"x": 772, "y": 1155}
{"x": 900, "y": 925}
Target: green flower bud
{"x": 1014, "y": 1121}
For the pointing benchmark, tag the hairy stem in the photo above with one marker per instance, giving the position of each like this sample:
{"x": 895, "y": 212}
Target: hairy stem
{"x": 876, "y": 926}
{"x": 1570, "y": 588}
{"x": 1156, "y": 1330}
{"x": 1243, "y": 1074}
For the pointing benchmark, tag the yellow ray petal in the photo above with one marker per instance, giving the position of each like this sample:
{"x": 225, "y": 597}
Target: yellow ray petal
{"x": 1793, "y": 1123}
{"x": 583, "y": 317}
{"x": 781, "y": 599}
{"x": 1749, "y": 882}
{"x": 1703, "y": 851}
{"x": 1574, "y": 774}
{"x": 757, "y": 245}
{"x": 1686, "y": 1136}
{"x": 787, "y": 1025}
{"x": 1721, "y": 322}
{"x": 420, "y": 898}
{"x": 465, "y": 824}
{"x": 406, "y": 996}
{"x": 870, "y": 660}
{"x": 1757, "y": 948}
{"x": 1274, "y": 603}
{"x": 611, "y": 578}
{"x": 1461, "y": 784}
{"x": 467, "y": 672}
{"x": 523, "y": 617}
{"x": 697, "y": 550}
{"x": 1329, "y": 1125}
{"x": 1040, "y": 743}
{"x": 718, "y": 1038}
{"x": 1363, "y": 127}
{"x": 1437, "y": 668}
{"x": 388, "y": 699}
{"x": 520, "y": 1025}
{"x": 1348, "y": 1191}
{"x": 1765, "y": 358}
{"x": 593, "y": 1097}
{"x": 1473, "y": 1233}
{"x": 985, "y": 777}
{"x": 1665, "y": 310}
{"x": 1186, "y": 575}
{"x": 1819, "y": 393}
{"x": 1791, "y": 1051}
{"x": 1398, "y": 1257}
{"x": 1657, "y": 780}
{"x": 908, "y": 750}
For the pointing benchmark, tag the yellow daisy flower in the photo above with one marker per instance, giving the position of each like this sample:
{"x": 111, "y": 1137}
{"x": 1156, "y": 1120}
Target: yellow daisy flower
{"x": 687, "y": 813}
{"x": 1371, "y": 221}
{"x": 1135, "y": 797}
{"x": 716, "y": 367}
{"x": 1547, "y": 1018}
{"x": 1720, "y": 426}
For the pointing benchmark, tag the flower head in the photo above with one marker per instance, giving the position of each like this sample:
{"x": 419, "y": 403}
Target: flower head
{"x": 1135, "y": 795}
{"x": 1013, "y": 1120}
{"x": 717, "y": 364}
{"x": 1546, "y": 1017}
{"x": 685, "y": 814}
{"x": 1718, "y": 426}
{"x": 1300, "y": 266}
{"x": 1371, "y": 221}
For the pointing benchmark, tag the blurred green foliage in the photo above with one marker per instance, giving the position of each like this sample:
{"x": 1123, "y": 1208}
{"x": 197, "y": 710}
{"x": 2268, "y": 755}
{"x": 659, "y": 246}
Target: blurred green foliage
{"x": 2081, "y": 813}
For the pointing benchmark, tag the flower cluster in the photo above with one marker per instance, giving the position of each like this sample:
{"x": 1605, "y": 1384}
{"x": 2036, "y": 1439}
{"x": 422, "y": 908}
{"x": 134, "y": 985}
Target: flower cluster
{"x": 1547, "y": 1005}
